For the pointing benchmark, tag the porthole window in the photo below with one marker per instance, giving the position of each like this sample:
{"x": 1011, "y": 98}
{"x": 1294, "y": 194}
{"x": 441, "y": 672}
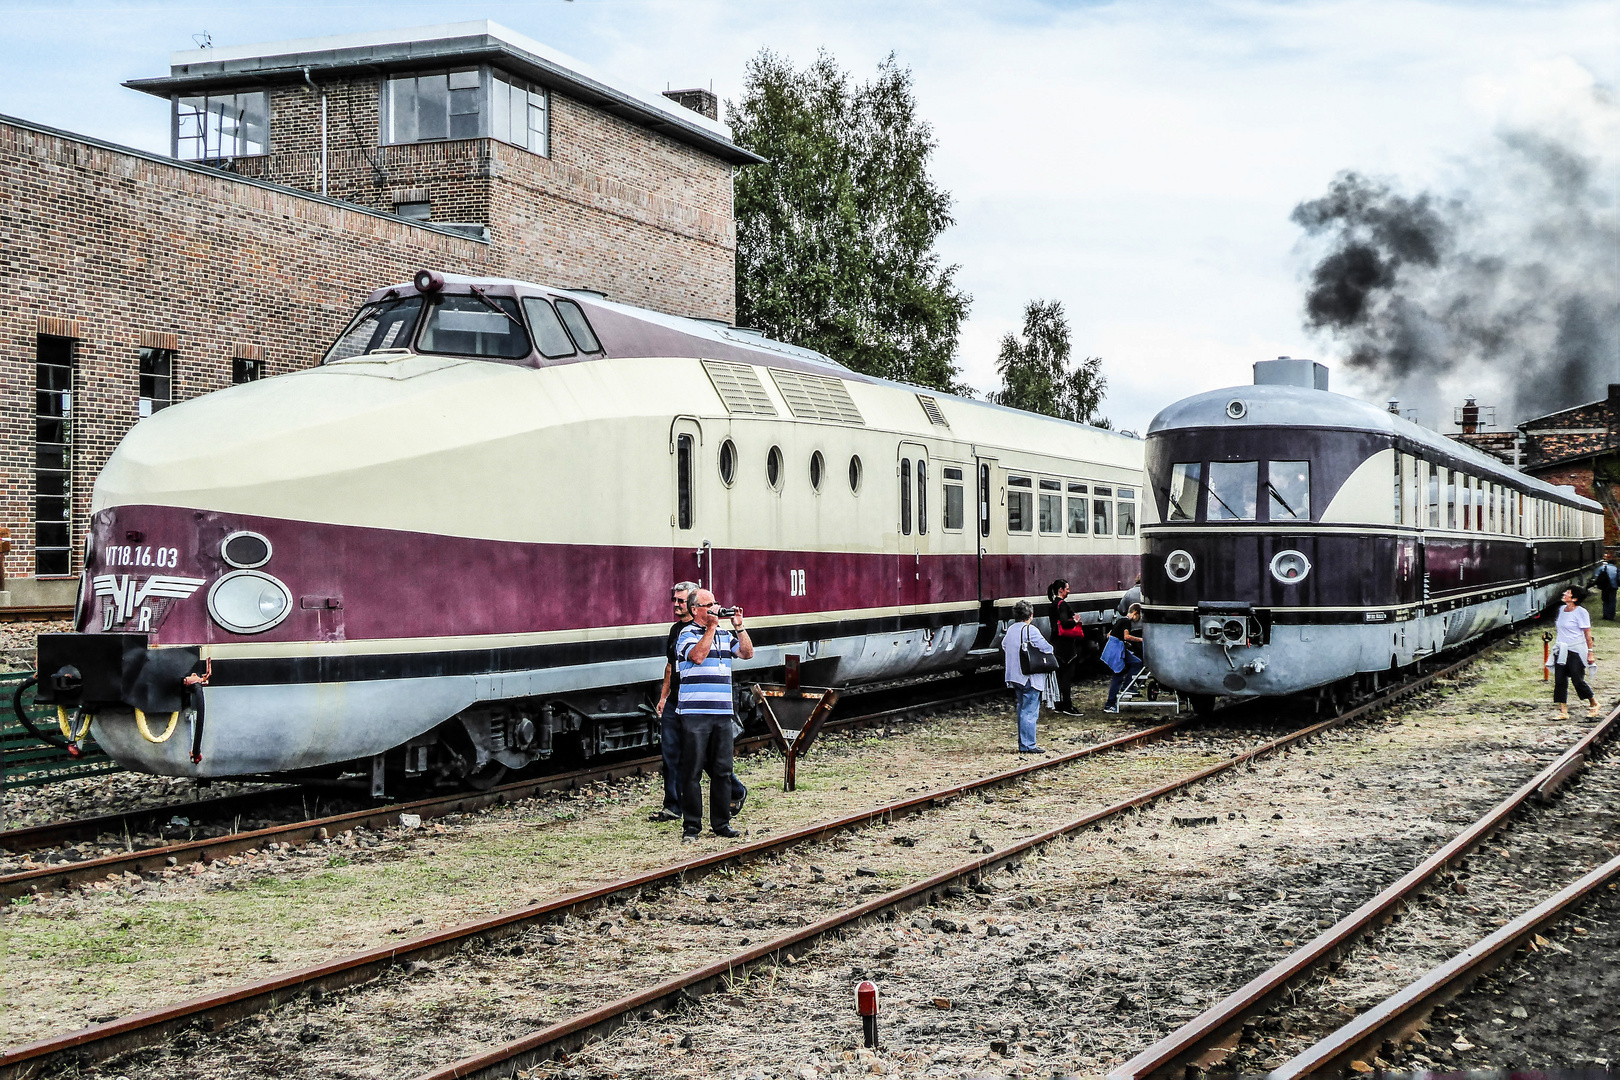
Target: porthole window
{"x": 816, "y": 465}
{"x": 773, "y": 468}
{"x": 245, "y": 550}
{"x": 728, "y": 462}
{"x": 855, "y": 474}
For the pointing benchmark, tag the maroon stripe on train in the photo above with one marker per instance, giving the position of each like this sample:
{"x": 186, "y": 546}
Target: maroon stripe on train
{"x": 353, "y": 583}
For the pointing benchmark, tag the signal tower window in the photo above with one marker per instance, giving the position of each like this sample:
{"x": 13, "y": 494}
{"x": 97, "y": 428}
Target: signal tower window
{"x": 1102, "y": 511}
{"x": 1185, "y": 479}
{"x": 157, "y": 380}
{"x": 955, "y": 504}
{"x": 1079, "y": 512}
{"x": 53, "y": 454}
{"x": 1051, "y": 508}
{"x": 1127, "y": 511}
{"x": 214, "y": 127}
{"x": 432, "y": 106}
{"x": 1020, "y": 505}
{"x": 1288, "y": 489}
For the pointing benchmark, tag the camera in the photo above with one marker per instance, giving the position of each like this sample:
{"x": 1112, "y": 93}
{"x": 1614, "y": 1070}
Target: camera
{"x": 725, "y": 612}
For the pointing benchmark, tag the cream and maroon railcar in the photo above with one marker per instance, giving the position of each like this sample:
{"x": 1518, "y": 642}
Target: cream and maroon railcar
{"x": 447, "y": 549}
{"x": 1306, "y": 539}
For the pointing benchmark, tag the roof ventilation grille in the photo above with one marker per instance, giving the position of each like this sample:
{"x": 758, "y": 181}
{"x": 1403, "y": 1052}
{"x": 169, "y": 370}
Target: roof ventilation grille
{"x": 930, "y": 406}
{"x": 739, "y": 387}
{"x": 816, "y": 397}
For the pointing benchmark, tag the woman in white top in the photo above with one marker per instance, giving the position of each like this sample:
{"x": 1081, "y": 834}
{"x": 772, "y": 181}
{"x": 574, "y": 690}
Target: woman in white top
{"x": 1572, "y": 652}
{"x": 1027, "y": 688}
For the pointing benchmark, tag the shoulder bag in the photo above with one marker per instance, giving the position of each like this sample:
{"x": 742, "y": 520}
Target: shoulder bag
{"x": 1033, "y": 661}
{"x": 1113, "y": 654}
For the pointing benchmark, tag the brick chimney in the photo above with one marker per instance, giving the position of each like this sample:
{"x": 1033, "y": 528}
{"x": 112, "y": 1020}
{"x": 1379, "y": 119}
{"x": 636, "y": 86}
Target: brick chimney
{"x": 1470, "y": 416}
{"x": 699, "y": 101}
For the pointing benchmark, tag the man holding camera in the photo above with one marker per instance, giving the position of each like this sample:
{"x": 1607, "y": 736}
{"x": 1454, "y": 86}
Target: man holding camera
{"x": 705, "y": 653}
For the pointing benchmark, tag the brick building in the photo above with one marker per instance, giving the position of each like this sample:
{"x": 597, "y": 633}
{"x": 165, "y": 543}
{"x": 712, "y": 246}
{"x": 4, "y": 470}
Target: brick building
{"x": 1580, "y": 447}
{"x": 140, "y": 280}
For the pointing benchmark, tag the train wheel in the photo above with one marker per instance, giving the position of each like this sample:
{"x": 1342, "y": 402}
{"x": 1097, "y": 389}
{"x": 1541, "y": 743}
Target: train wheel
{"x": 487, "y": 777}
{"x": 1203, "y": 705}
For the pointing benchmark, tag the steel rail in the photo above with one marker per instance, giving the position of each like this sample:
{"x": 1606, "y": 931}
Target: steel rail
{"x": 1400, "y": 1015}
{"x": 68, "y": 830}
{"x": 570, "y": 1035}
{"x": 1207, "y": 1037}
{"x": 147, "y": 860}
{"x": 101, "y": 1041}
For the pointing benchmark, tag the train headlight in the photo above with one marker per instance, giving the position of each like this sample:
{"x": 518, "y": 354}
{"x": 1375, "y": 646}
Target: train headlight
{"x": 245, "y": 550}
{"x": 1179, "y": 566}
{"x": 248, "y": 602}
{"x": 1290, "y": 566}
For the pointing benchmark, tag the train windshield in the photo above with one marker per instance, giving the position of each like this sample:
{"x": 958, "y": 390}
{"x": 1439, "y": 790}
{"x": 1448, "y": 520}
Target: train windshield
{"x": 1289, "y": 485}
{"x": 387, "y": 325}
{"x": 474, "y": 326}
{"x": 1232, "y": 490}
{"x": 1185, "y": 479}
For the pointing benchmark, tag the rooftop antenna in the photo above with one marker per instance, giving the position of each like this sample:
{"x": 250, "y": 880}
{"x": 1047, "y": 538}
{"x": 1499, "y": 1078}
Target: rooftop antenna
{"x": 204, "y": 40}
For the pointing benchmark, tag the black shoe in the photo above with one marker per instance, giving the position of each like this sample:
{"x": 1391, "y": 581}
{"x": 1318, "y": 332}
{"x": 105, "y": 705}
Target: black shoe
{"x": 664, "y": 815}
{"x": 688, "y": 837}
{"x": 737, "y": 803}
{"x": 727, "y": 831}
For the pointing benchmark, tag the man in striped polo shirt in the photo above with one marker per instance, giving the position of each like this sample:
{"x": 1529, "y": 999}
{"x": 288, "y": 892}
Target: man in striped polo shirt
{"x": 705, "y": 653}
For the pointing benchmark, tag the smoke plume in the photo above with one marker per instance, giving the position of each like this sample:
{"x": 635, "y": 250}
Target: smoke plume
{"x": 1506, "y": 288}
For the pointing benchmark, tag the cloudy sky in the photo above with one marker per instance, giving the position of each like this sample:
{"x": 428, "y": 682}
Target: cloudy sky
{"x": 1136, "y": 161}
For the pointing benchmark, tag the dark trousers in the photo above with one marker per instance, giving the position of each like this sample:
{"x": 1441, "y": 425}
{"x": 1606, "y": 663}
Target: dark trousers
{"x": 705, "y": 748}
{"x": 1608, "y": 604}
{"x": 669, "y": 740}
{"x": 1066, "y": 652}
{"x": 1573, "y": 669}
{"x": 1133, "y": 664}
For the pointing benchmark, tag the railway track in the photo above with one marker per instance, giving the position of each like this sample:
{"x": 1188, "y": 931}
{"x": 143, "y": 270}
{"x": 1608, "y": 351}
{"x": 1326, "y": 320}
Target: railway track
{"x": 1207, "y": 1039}
{"x": 145, "y": 1029}
{"x": 141, "y": 860}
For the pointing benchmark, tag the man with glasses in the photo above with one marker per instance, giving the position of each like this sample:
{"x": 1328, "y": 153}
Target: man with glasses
{"x": 704, "y": 653}
{"x": 669, "y": 713}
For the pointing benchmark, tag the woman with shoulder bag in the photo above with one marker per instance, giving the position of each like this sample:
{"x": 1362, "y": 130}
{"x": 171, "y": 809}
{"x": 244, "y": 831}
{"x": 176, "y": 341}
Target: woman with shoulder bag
{"x": 1067, "y": 634}
{"x": 1029, "y": 659}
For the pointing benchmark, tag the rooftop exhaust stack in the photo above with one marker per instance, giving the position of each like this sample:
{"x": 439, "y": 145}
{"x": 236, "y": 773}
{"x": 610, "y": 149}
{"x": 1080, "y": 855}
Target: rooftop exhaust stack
{"x": 1286, "y": 371}
{"x": 1470, "y": 417}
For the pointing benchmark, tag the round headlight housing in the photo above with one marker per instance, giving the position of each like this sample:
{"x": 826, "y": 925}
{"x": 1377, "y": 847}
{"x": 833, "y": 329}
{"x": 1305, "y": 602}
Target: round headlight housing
{"x": 1179, "y": 566}
{"x": 1290, "y": 567}
{"x": 248, "y": 602}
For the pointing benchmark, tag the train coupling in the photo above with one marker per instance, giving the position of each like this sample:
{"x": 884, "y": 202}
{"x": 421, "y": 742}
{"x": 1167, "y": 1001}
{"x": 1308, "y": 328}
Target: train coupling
{"x": 96, "y": 671}
{"x": 1228, "y": 623}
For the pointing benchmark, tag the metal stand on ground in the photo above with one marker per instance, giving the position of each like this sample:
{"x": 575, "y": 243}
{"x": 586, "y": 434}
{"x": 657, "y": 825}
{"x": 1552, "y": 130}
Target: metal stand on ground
{"x": 794, "y": 714}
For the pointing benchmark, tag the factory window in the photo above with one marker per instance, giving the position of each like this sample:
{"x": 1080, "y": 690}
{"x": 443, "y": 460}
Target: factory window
{"x": 1232, "y": 490}
{"x": 467, "y": 326}
{"x": 157, "y": 380}
{"x": 579, "y": 327}
{"x": 414, "y": 211}
{"x": 1051, "y": 508}
{"x": 1451, "y": 499}
{"x": 547, "y": 328}
{"x": 53, "y": 454}
{"x": 683, "y": 480}
{"x": 922, "y": 496}
{"x": 1127, "y": 511}
{"x": 728, "y": 462}
{"x": 1079, "y": 512}
{"x": 1185, "y": 479}
{"x": 817, "y": 463}
{"x": 218, "y": 126}
{"x": 1020, "y": 508}
{"x": 905, "y": 496}
{"x": 246, "y": 369}
{"x": 855, "y": 474}
{"x": 1102, "y": 511}
{"x": 387, "y": 325}
{"x": 520, "y": 113}
{"x": 1288, "y": 486}
{"x": 1434, "y": 495}
{"x": 431, "y": 107}
{"x": 773, "y": 468}
{"x": 955, "y": 503}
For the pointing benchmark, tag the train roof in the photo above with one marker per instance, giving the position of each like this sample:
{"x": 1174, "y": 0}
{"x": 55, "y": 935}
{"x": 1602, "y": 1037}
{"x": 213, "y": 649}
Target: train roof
{"x": 1278, "y": 405}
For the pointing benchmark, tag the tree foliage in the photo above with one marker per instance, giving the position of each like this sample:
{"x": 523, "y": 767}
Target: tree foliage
{"x": 1035, "y": 372}
{"x": 835, "y": 233}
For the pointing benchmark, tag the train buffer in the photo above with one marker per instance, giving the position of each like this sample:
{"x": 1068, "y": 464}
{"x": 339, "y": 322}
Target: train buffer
{"x": 794, "y": 714}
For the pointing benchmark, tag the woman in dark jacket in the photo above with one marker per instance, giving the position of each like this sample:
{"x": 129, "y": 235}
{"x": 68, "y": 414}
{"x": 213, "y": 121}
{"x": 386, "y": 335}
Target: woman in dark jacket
{"x": 1066, "y": 639}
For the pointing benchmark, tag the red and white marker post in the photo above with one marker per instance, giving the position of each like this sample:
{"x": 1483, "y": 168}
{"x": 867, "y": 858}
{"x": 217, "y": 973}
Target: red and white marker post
{"x": 866, "y": 1003}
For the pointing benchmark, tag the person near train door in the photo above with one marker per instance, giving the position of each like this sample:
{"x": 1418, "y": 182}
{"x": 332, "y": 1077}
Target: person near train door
{"x": 1067, "y": 636}
{"x": 669, "y": 713}
{"x": 1572, "y": 653}
{"x": 1608, "y": 583}
{"x": 705, "y": 652}
{"x": 1127, "y": 629}
{"x": 1020, "y": 646}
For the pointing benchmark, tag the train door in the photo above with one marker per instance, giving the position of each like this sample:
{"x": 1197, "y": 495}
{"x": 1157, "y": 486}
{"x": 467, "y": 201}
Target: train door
{"x": 918, "y": 520}
{"x": 692, "y": 555}
{"x": 991, "y": 541}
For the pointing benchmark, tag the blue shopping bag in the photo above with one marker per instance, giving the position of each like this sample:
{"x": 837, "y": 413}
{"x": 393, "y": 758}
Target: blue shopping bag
{"x": 1113, "y": 654}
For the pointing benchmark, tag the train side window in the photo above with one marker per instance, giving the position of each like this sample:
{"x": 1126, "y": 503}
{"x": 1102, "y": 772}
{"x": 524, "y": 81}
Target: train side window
{"x": 683, "y": 480}
{"x": 1102, "y": 511}
{"x": 984, "y": 500}
{"x": 1288, "y": 487}
{"x": 1434, "y": 495}
{"x": 1185, "y": 479}
{"x": 1079, "y": 513}
{"x": 1020, "y": 505}
{"x": 728, "y": 462}
{"x": 954, "y": 502}
{"x": 1232, "y": 494}
{"x": 1465, "y": 501}
{"x": 1451, "y": 498}
{"x": 1400, "y": 461}
{"x": 922, "y": 496}
{"x": 1127, "y": 511}
{"x": 905, "y": 496}
{"x": 855, "y": 474}
{"x": 1051, "y": 507}
{"x": 549, "y": 335}
{"x": 773, "y": 468}
{"x": 817, "y": 463}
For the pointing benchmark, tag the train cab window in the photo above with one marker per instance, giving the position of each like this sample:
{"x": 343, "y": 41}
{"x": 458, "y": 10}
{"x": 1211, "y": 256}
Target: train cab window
{"x": 1185, "y": 479}
{"x": 955, "y": 504}
{"x": 1288, "y": 490}
{"x": 1079, "y": 513}
{"x": 549, "y": 335}
{"x": 1232, "y": 490}
{"x": 467, "y": 326}
{"x": 984, "y": 500}
{"x": 905, "y": 496}
{"x": 683, "y": 480}
{"x": 1127, "y": 511}
{"x": 1020, "y": 505}
{"x": 579, "y": 327}
{"x": 922, "y": 496}
{"x": 1102, "y": 511}
{"x": 1051, "y": 507}
{"x": 1434, "y": 495}
{"x": 1451, "y": 499}
{"x": 388, "y": 325}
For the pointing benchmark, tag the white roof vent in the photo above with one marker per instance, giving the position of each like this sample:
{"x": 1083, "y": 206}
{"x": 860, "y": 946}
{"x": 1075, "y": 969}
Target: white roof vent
{"x": 1286, "y": 371}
